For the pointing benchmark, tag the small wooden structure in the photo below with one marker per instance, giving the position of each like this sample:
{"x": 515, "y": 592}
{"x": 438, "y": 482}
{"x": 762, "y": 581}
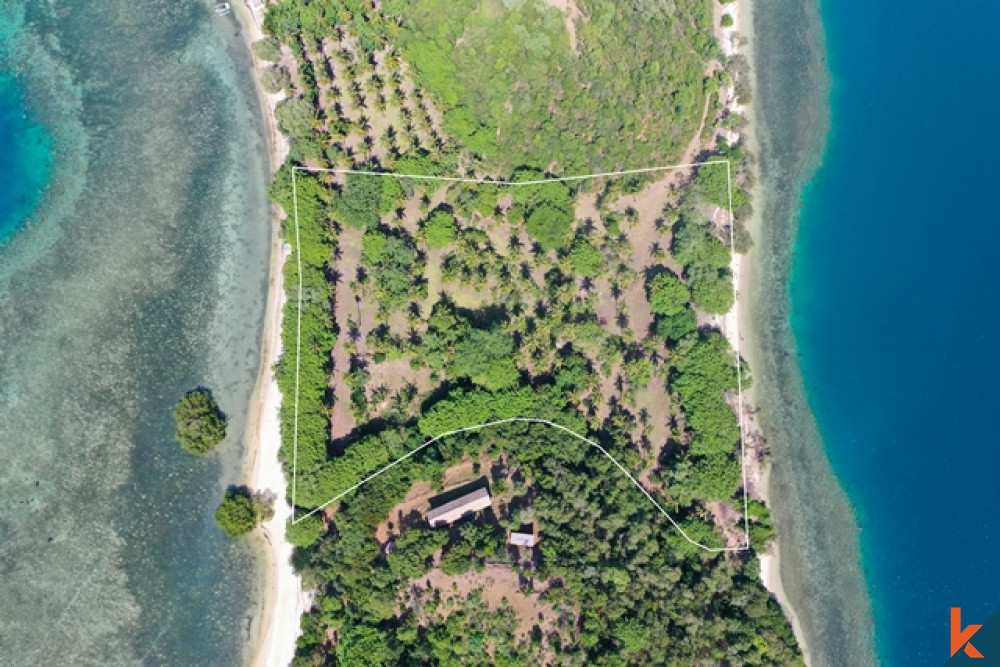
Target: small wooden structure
{"x": 454, "y": 510}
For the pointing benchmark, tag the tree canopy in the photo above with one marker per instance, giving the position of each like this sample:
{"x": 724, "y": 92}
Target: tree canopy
{"x": 550, "y": 225}
{"x": 359, "y": 204}
{"x": 440, "y": 229}
{"x": 668, "y": 295}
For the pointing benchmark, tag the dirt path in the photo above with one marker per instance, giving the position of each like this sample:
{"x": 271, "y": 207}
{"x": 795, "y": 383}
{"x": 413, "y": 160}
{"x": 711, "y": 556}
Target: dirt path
{"x": 572, "y": 12}
{"x": 344, "y": 310}
{"x": 694, "y": 146}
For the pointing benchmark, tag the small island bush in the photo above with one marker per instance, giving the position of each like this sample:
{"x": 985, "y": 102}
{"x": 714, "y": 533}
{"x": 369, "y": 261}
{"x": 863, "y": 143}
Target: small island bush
{"x": 241, "y": 510}
{"x": 201, "y": 426}
{"x": 727, "y": 21}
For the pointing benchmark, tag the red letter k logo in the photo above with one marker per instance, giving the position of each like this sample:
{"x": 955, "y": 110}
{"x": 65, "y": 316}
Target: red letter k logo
{"x": 960, "y": 637}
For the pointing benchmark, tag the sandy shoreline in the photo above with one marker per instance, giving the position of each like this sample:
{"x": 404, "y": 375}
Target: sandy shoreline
{"x": 282, "y": 600}
{"x": 738, "y": 324}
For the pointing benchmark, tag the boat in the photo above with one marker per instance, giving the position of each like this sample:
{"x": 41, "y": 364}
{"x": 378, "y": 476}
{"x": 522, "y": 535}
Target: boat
{"x": 223, "y": 8}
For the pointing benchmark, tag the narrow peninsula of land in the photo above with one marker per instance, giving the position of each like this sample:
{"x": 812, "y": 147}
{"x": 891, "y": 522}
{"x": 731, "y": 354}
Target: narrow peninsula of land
{"x": 504, "y": 287}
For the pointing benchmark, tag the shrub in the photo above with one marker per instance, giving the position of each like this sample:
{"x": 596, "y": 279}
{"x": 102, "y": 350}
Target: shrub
{"x": 267, "y": 49}
{"x": 360, "y": 202}
{"x": 295, "y": 117}
{"x": 676, "y": 327}
{"x": 305, "y": 532}
{"x": 727, "y": 21}
{"x": 742, "y": 240}
{"x": 236, "y": 516}
{"x": 712, "y": 289}
{"x": 373, "y": 245}
{"x": 694, "y": 245}
{"x": 761, "y": 528}
{"x": 274, "y": 79}
{"x": 585, "y": 259}
{"x": 632, "y": 635}
{"x": 201, "y": 426}
{"x": 457, "y": 560}
{"x": 486, "y": 358}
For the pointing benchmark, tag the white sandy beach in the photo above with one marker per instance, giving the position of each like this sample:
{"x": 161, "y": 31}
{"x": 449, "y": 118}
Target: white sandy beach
{"x": 736, "y": 324}
{"x": 282, "y": 599}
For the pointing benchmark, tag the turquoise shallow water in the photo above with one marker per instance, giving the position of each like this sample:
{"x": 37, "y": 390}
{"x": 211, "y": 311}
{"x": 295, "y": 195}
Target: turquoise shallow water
{"x": 138, "y": 274}
{"x": 896, "y": 308}
{"x": 25, "y": 157}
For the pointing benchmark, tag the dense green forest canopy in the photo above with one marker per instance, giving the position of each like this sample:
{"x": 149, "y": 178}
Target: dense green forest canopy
{"x": 610, "y": 571}
{"x": 516, "y": 92}
{"x": 513, "y": 88}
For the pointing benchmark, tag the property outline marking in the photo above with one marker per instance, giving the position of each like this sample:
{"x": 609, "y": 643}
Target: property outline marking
{"x": 477, "y": 427}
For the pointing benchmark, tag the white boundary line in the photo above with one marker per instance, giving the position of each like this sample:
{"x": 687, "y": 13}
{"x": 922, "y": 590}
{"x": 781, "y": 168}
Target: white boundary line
{"x": 477, "y": 427}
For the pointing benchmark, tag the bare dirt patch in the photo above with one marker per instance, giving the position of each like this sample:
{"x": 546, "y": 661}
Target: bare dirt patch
{"x": 416, "y": 501}
{"x": 345, "y": 308}
{"x": 652, "y": 408}
{"x": 419, "y": 495}
{"x": 725, "y": 517}
{"x": 497, "y": 583}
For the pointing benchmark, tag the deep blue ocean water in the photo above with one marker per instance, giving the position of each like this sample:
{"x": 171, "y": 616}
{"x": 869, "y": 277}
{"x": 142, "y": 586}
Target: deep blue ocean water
{"x": 896, "y": 308}
{"x": 25, "y": 158}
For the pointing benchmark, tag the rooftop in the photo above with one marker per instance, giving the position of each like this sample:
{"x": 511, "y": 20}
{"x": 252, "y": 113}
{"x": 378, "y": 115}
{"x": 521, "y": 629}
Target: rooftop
{"x": 522, "y": 539}
{"x": 452, "y": 511}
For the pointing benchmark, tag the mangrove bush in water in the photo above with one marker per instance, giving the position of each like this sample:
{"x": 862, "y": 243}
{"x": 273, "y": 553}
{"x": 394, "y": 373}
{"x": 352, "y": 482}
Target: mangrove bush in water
{"x": 201, "y": 426}
{"x": 241, "y": 510}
